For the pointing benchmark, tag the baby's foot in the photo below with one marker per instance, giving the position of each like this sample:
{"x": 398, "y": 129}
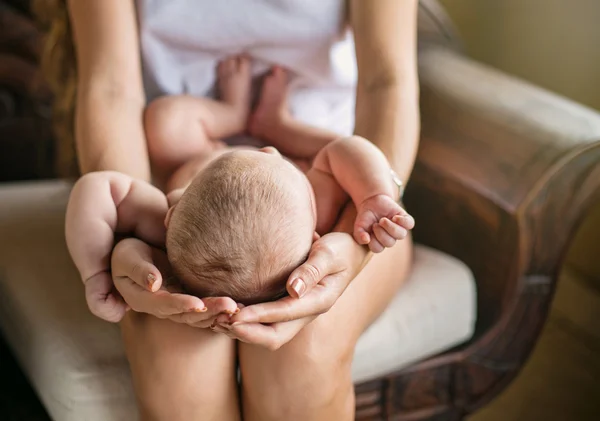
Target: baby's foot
{"x": 234, "y": 80}
{"x": 272, "y": 107}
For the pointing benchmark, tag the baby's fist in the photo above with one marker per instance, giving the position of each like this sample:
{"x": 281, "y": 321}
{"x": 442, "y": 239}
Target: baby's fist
{"x": 103, "y": 300}
{"x": 380, "y": 222}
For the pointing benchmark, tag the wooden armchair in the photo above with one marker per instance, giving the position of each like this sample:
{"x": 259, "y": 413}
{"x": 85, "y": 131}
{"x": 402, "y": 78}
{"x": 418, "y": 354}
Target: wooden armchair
{"x": 505, "y": 173}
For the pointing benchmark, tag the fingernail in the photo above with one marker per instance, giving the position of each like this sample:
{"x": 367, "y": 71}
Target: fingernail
{"x": 200, "y": 309}
{"x": 237, "y": 310}
{"x": 151, "y": 280}
{"x": 299, "y": 286}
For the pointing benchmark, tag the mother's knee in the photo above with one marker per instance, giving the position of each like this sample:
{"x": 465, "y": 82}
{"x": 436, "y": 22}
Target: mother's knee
{"x": 180, "y": 372}
{"x": 311, "y": 372}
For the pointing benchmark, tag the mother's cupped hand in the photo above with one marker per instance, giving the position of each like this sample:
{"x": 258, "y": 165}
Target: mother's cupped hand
{"x": 136, "y": 275}
{"x": 314, "y": 287}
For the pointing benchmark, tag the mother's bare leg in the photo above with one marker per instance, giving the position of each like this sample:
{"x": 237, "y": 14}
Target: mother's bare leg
{"x": 180, "y": 373}
{"x": 309, "y": 378}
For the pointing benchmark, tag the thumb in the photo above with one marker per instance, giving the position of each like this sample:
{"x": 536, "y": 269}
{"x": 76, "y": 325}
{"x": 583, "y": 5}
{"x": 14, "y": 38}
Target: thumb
{"x": 102, "y": 300}
{"x": 146, "y": 275}
{"x": 321, "y": 262}
{"x": 361, "y": 236}
{"x": 362, "y": 225}
{"x": 133, "y": 259}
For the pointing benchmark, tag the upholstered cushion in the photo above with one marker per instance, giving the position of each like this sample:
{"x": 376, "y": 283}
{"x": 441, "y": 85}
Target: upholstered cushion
{"x": 76, "y": 362}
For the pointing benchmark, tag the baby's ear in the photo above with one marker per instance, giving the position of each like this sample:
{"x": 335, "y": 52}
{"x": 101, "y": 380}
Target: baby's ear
{"x": 168, "y": 217}
{"x": 172, "y": 199}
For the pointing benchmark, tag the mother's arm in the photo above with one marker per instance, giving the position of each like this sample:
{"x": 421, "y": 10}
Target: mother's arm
{"x": 110, "y": 95}
{"x": 110, "y": 136}
{"x": 387, "y": 96}
{"x": 387, "y": 113}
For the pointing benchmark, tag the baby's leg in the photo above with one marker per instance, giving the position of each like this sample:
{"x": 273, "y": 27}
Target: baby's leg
{"x": 273, "y": 122}
{"x": 181, "y": 126}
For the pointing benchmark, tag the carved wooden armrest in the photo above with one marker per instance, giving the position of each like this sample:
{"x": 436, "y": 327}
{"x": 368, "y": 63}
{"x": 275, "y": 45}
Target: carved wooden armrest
{"x": 26, "y": 148}
{"x": 505, "y": 173}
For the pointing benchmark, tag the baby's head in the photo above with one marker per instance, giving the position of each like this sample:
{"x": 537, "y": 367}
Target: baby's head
{"x": 241, "y": 227}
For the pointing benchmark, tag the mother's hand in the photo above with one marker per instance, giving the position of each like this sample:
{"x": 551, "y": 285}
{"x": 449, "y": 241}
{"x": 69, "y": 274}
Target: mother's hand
{"x": 139, "y": 281}
{"x": 314, "y": 287}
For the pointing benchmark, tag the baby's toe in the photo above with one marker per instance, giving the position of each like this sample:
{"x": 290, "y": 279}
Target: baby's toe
{"x": 224, "y": 68}
{"x": 242, "y": 63}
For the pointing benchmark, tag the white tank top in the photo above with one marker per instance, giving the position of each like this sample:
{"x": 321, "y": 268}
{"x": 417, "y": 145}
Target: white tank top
{"x": 183, "y": 40}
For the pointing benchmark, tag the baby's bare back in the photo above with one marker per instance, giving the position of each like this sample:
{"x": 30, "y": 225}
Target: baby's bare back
{"x": 188, "y": 171}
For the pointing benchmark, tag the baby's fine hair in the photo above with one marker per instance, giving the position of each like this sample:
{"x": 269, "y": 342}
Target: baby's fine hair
{"x": 235, "y": 233}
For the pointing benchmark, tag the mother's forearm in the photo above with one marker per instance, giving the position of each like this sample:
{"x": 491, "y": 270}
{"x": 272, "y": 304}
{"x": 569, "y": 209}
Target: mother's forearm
{"x": 110, "y": 134}
{"x": 388, "y": 115}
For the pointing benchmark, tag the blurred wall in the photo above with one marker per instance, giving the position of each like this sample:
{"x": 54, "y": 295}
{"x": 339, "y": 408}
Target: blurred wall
{"x": 552, "y": 43}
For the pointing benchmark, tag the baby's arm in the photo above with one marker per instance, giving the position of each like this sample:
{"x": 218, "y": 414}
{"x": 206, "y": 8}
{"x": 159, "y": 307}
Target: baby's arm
{"x": 104, "y": 203}
{"x": 360, "y": 168}
{"x": 363, "y": 172}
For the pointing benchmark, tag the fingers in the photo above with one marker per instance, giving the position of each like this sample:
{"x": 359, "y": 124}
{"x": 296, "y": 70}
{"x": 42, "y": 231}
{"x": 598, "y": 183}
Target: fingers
{"x": 102, "y": 300}
{"x": 375, "y": 246}
{"x": 386, "y": 233}
{"x": 254, "y": 333}
{"x": 322, "y": 261}
{"x": 161, "y": 303}
{"x": 215, "y": 306}
{"x": 318, "y": 301}
{"x": 271, "y": 337}
{"x": 223, "y": 330}
{"x": 132, "y": 258}
{"x": 383, "y": 237}
{"x": 225, "y": 316}
{"x": 404, "y": 220}
{"x": 362, "y": 226}
{"x": 331, "y": 265}
{"x": 394, "y": 230}
{"x": 361, "y": 236}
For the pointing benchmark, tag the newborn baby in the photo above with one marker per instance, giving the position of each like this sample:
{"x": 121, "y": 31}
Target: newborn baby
{"x": 241, "y": 218}
{"x": 242, "y": 226}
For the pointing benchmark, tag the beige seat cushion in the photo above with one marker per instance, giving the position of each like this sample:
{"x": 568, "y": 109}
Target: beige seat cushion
{"x": 76, "y": 362}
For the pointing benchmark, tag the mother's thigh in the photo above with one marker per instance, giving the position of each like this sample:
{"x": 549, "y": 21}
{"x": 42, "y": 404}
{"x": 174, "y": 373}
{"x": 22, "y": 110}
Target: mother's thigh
{"x": 180, "y": 372}
{"x": 310, "y": 377}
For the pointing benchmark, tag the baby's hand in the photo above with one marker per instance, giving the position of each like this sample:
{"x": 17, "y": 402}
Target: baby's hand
{"x": 380, "y": 222}
{"x": 102, "y": 299}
